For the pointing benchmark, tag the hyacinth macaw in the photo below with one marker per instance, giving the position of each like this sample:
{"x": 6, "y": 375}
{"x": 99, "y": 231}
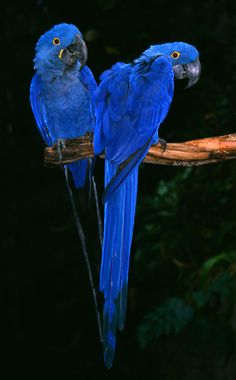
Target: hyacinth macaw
{"x": 62, "y": 89}
{"x": 61, "y": 98}
{"x": 133, "y": 100}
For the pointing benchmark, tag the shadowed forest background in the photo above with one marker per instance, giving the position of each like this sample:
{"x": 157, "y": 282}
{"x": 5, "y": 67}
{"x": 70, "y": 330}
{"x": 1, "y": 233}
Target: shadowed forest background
{"x": 181, "y": 320}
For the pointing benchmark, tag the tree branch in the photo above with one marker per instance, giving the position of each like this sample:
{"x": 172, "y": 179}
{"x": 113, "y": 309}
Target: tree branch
{"x": 190, "y": 153}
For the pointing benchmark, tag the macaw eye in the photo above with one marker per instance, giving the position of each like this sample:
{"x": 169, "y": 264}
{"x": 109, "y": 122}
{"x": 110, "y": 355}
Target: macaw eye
{"x": 175, "y": 54}
{"x": 56, "y": 41}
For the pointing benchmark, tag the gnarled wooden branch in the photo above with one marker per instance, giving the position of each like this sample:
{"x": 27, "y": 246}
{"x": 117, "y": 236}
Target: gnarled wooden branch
{"x": 190, "y": 153}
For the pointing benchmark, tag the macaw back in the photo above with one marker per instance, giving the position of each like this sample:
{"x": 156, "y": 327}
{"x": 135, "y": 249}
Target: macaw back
{"x": 133, "y": 100}
{"x": 132, "y": 112}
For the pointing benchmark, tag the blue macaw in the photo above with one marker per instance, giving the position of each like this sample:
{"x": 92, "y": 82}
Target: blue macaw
{"x": 132, "y": 101}
{"x": 61, "y": 98}
{"x": 61, "y": 90}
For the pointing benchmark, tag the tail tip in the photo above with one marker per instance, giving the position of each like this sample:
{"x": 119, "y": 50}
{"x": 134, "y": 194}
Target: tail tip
{"x": 109, "y": 346}
{"x": 109, "y": 354}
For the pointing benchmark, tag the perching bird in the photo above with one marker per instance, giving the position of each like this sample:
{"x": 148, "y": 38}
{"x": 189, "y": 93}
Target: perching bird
{"x": 61, "y": 99}
{"x": 61, "y": 90}
{"x": 133, "y": 100}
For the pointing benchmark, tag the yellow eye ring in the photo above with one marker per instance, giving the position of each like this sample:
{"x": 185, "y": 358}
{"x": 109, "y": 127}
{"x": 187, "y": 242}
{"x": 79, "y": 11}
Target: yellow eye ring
{"x": 175, "y": 54}
{"x": 56, "y": 41}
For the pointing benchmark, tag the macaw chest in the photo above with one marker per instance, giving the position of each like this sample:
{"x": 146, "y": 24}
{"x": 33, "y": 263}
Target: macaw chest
{"x": 68, "y": 107}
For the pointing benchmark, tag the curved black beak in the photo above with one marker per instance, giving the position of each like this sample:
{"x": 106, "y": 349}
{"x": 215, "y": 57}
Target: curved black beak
{"x": 192, "y": 71}
{"x": 75, "y": 51}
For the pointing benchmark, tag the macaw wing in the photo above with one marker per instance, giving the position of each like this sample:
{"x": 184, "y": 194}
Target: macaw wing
{"x": 88, "y": 79}
{"x": 103, "y": 130}
{"x": 132, "y": 102}
{"x": 152, "y": 87}
{"x": 126, "y": 169}
{"x": 90, "y": 85}
{"x": 37, "y": 104}
{"x": 131, "y": 105}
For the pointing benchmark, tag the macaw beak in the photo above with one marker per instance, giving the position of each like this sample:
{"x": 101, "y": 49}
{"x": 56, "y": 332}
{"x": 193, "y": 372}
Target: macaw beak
{"x": 75, "y": 51}
{"x": 192, "y": 71}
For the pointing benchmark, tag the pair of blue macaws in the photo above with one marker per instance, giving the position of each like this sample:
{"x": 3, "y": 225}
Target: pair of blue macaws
{"x": 124, "y": 112}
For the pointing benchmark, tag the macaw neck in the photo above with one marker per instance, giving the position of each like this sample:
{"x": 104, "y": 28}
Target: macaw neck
{"x": 49, "y": 72}
{"x": 150, "y": 54}
{"x": 146, "y": 58}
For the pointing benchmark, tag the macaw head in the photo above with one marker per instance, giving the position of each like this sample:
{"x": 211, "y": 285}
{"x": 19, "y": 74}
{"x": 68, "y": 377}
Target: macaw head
{"x": 60, "y": 48}
{"x": 184, "y": 59}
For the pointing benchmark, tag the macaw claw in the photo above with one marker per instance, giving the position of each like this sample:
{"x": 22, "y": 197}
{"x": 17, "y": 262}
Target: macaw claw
{"x": 163, "y": 144}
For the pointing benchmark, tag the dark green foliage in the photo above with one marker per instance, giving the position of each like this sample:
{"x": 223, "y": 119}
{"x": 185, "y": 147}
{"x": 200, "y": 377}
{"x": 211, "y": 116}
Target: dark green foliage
{"x": 174, "y": 314}
{"x": 171, "y": 316}
{"x": 186, "y": 262}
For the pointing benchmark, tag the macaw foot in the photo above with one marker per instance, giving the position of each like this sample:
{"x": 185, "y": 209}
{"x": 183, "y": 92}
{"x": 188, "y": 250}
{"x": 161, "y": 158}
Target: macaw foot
{"x": 60, "y": 145}
{"x": 89, "y": 134}
{"x": 163, "y": 144}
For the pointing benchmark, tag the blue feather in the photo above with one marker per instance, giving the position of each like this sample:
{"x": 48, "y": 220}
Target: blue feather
{"x": 79, "y": 170}
{"x": 61, "y": 99}
{"x": 39, "y": 110}
{"x": 130, "y": 198}
{"x": 61, "y": 96}
{"x": 132, "y": 101}
{"x": 127, "y": 169}
{"x": 130, "y": 109}
{"x": 109, "y": 331}
{"x": 118, "y": 233}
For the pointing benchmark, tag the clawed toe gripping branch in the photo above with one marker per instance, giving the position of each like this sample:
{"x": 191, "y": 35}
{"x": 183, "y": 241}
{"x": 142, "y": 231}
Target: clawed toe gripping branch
{"x": 190, "y": 153}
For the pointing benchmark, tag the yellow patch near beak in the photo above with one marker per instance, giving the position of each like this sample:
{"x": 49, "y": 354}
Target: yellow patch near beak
{"x": 60, "y": 54}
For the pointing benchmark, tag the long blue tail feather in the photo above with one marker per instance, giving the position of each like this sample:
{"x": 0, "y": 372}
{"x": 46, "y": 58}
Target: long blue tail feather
{"x": 127, "y": 168}
{"x": 84, "y": 249}
{"x": 79, "y": 170}
{"x": 109, "y": 230}
{"x": 131, "y": 187}
{"x": 118, "y": 233}
{"x": 109, "y": 331}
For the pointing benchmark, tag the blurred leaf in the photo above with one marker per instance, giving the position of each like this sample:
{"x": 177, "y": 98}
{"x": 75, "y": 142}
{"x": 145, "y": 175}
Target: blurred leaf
{"x": 171, "y": 317}
{"x": 112, "y": 50}
{"x": 91, "y": 35}
{"x": 201, "y": 298}
{"x": 107, "y": 4}
{"x": 209, "y": 264}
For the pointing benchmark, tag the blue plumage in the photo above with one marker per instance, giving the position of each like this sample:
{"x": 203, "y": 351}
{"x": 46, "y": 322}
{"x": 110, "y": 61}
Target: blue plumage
{"x": 61, "y": 98}
{"x": 132, "y": 101}
{"x": 61, "y": 90}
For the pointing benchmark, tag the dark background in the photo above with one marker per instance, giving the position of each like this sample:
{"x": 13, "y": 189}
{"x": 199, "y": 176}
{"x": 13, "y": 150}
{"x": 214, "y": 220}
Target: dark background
{"x": 181, "y": 320}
